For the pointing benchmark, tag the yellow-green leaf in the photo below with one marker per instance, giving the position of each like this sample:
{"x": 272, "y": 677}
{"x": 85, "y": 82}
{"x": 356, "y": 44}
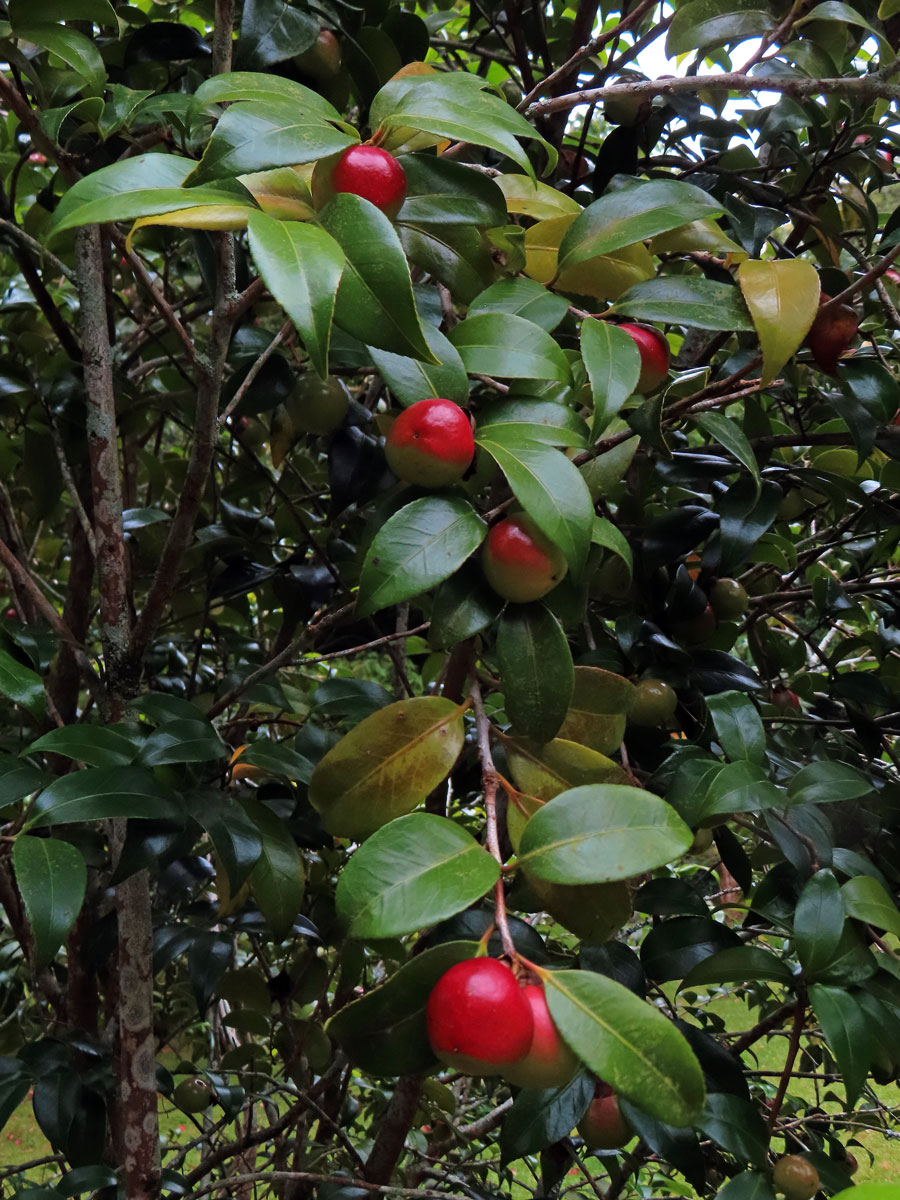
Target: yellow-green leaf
{"x": 201, "y": 216}
{"x": 533, "y": 199}
{"x": 783, "y": 298}
{"x": 387, "y": 765}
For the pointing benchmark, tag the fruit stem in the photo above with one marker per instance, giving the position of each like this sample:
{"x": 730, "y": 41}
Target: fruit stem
{"x": 490, "y": 780}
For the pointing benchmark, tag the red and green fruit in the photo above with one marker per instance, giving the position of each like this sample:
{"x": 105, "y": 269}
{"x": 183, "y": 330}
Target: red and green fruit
{"x": 654, "y": 703}
{"x": 519, "y": 562}
{"x": 832, "y": 333}
{"x": 317, "y": 405}
{"x": 478, "y": 1018}
{"x": 697, "y": 629}
{"x": 654, "y": 350}
{"x": 783, "y": 697}
{"x": 549, "y": 1062}
{"x": 603, "y": 1127}
{"x": 193, "y": 1095}
{"x": 322, "y": 60}
{"x": 430, "y": 443}
{"x": 728, "y": 598}
{"x": 795, "y": 1177}
{"x": 373, "y": 174}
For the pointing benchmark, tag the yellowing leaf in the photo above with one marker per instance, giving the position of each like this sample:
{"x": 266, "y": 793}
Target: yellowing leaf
{"x": 206, "y": 216}
{"x": 702, "y": 235}
{"x": 387, "y": 765}
{"x": 283, "y": 193}
{"x": 542, "y": 246}
{"x": 783, "y": 298}
{"x": 524, "y": 195}
{"x": 605, "y": 277}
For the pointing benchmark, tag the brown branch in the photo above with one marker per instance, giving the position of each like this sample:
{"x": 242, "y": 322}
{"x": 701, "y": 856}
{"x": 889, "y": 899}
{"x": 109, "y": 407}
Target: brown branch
{"x": 490, "y": 781}
{"x": 395, "y": 1125}
{"x": 793, "y": 1047}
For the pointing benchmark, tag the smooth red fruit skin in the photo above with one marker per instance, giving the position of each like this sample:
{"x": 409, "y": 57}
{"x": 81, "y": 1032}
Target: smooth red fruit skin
{"x": 372, "y": 173}
{"x": 603, "y": 1127}
{"x": 478, "y": 1018}
{"x": 322, "y": 60}
{"x": 519, "y": 562}
{"x": 430, "y": 443}
{"x": 784, "y": 698}
{"x": 549, "y": 1061}
{"x": 831, "y": 334}
{"x": 654, "y": 356}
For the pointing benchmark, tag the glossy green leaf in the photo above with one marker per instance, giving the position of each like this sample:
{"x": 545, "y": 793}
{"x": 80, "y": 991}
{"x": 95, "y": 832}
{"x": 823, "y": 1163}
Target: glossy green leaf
{"x": 703, "y": 24}
{"x": 463, "y": 605}
{"x": 539, "y": 1118}
{"x": 847, "y": 1032}
{"x": 301, "y": 266}
{"x": 865, "y": 899}
{"x": 739, "y": 964}
{"x": 256, "y": 135}
{"x": 52, "y": 877}
{"x": 271, "y": 32}
{"x": 506, "y": 346}
{"x": 688, "y": 300}
{"x": 21, "y": 684}
{"x": 278, "y": 877}
{"x": 826, "y": 782}
{"x": 415, "y": 871}
{"x": 600, "y": 833}
{"x": 609, "y": 536}
{"x": 625, "y": 217}
{"x": 522, "y": 298}
{"x": 442, "y": 192}
{"x": 458, "y": 256}
{"x": 387, "y": 765}
{"x": 739, "y": 728}
{"x": 94, "y": 745}
{"x": 256, "y": 86}
{"x": 147, "y": 202}
{"x": 421, "y": 545}
{"x": 674, "y": 947}
{"x": 598, "y": 709}
{"x": 411, "y": 379}
{"x": 729, "y": 434}
{"x": 75, "y": 49}
{"x": 536, "y": 671}
{"x": 234, "y": 835}
{"x": 548, "y": 487}
{"x": 278, "y": 759}
{"x": 98, "y": 793}
{"x": 384, "y": 1031}
{"x": 182, "y": 742}
{"x": 628, "y": 1043}
{"x": 735, "y": 1124}
{"x": 783, "y": 298}
{"x": 46, "y": 12}
{"x": 740, "y": 786}
{"x": 869, "y": 1191}
{"x": 613, "y": 364}
{"x": 535, "y": 421}
{"x": 122, "y": 190}
{"x": 547, "y": 770}
{"x": 818, "y": 922}
{"x": 375, "y": 301}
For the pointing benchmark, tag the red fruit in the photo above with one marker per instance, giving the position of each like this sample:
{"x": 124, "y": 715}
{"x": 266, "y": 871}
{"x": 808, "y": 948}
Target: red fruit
{"x": 10, "y": 614}
{"x": 519, "y": 562}
{"x": 430, "y": 443}
{"x": 831, "y": 333}
{"x": 549, "y": 1061}
{"x": 783, "y": 697}
{"x": 322, "y": 60}
{"x": 697, "y": 629}
{"x": 654, "y": 356}
{"x": 478, "y": 1018}
{"x": 603, "y": 1127}
{"x": 372, "y": 173}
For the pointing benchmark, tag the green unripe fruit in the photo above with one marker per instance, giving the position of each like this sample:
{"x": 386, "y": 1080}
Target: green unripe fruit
{"x": 728, "y": 598}
{"x": 318, "y": 405}
{"x": 520, "y": 563}
{"x": 654, "y": 703}
{"x": 703, "y": 839}
{"x": 193, "y": 1095}
{"x": 628, "y": 110}
{"x": 795, "y": 1177}
{"x": 793, "y": 506}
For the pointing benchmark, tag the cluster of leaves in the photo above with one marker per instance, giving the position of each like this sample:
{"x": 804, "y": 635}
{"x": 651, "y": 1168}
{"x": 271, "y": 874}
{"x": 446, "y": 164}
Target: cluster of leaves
{"x": 424, "y": 772}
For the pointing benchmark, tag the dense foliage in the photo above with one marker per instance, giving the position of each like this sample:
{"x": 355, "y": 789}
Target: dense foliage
{"x": 305, "y": 701}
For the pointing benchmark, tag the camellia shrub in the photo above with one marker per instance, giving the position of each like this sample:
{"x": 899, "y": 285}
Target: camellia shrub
{"x": 449, "y": 669}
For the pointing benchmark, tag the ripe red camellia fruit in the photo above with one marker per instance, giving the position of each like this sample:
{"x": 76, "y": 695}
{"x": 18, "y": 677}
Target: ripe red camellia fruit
{"x": 795, "y": 1177}
{"x": 831, "y": 334}
{"x": 519, "y": 562}
{"x": 430, "y": 443}
{"x": 603, "y": 1127}
{"x": 549, "y": 1061}
{"x": 783, "y": 697}
{"x": 372, "y": 173}
{"x": 478, "y": 1017}
{"x": 654, "y": 356}
{"x": 322, "y": 60}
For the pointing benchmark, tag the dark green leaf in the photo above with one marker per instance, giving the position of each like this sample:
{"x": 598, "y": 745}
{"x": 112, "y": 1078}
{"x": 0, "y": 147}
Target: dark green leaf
{"x": 735, "y": 1124}
{"x": 410, "y": 379}
{"x": 21, "y": 684}
{"x": 686, "y": 300}
{"x": 94, "y": 745}
{"x": 536, "y": 670}
{"x": 539, "y": 1118}
{"x": 420, "y": 546}
{"x": 749, "y": 1185}
{"x": 673, "y": 948}
{"x": 740, "y": 787}
{"x": 506, "y": 346}
{"x": 739, "y": 729}
{"x": 272, "y": 32}
{"x": 234, "y": 835}
{"x": 739, "y": 964}
{"x": 847, "y": 1033}
{"x": 704, "y": 24}
{"x": 182, "y": 742}
{"x": 442, "y": 192}
{"x": 826, "y": 782}
{"x": 535, "y": 421}
{"x": 277, "y": 879}
{"x": 415, "y": 871}
{"x": 613, "y": 364}
{"x": 729, "y": 434}
{"x": 818, "y": 922}
{"x": 101, "y": 792}
{"x": 51, "y": 877}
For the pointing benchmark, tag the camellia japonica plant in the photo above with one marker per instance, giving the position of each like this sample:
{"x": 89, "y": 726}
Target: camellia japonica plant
{"x": 449, "y": 526}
